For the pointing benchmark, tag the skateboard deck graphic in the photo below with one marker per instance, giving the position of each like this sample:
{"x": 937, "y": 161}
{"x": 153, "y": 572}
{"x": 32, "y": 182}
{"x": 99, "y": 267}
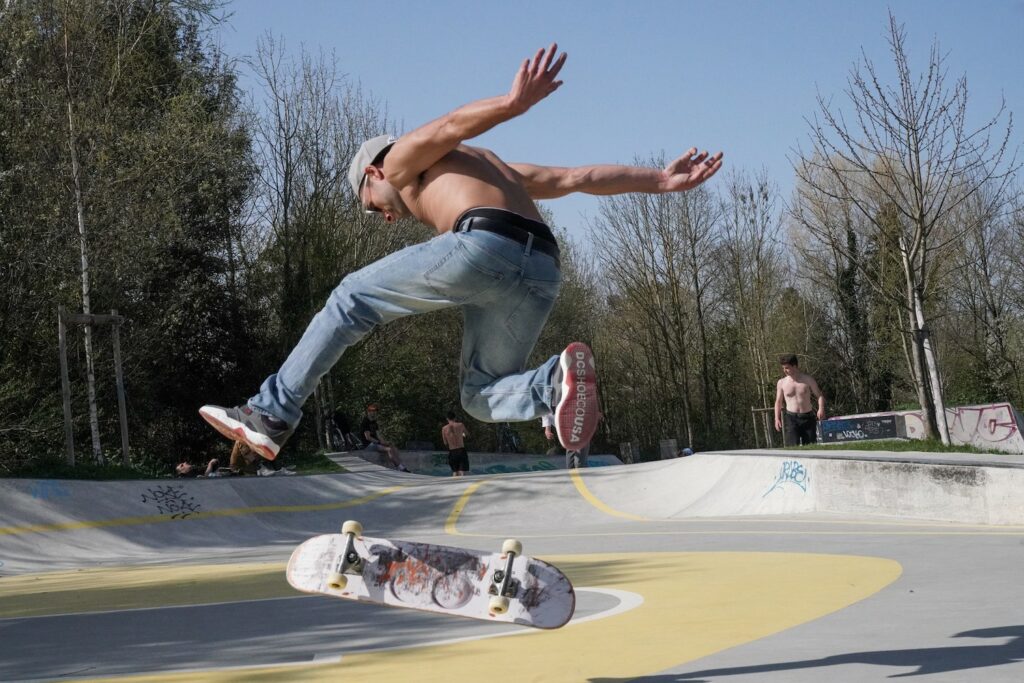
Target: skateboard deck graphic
{"x": 434, "y": 578}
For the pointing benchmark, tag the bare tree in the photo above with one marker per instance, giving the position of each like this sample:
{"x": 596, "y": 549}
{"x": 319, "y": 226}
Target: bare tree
{"x": 836, "y": 247}
{"x": 906, "y": 162}
{"x": 987, "y": 278}
{"x": 696, "y": 215}
{"x": 754, "y": 271}
{"x": 643, "y": 252}
{"x": 313, "y": 120}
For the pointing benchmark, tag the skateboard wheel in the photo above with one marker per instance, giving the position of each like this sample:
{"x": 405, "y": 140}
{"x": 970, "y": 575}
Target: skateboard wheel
{"x": 511, "y": 545}
{"x": 498, "y": 604}
{"x": 337, "y": 581}
{"x": 352, "y": 527}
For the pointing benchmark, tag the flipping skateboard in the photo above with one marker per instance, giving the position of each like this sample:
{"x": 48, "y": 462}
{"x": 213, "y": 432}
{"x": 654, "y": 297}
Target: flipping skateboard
{"x": 506, "y": 586}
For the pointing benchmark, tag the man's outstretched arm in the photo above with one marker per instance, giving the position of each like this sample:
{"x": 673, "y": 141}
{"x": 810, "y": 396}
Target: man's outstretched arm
{"x": 685, "y": 173}
{"x": 417, "y": 151}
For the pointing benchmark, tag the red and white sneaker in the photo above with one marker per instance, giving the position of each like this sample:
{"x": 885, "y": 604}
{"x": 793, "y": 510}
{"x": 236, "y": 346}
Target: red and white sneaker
{"x": 263, "y": 433}
{"x": 576, "y": 413}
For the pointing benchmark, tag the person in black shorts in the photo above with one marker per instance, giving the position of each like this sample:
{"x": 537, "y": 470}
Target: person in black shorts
{"x": 795, "y": 395}
{"x": 454, "y": 436}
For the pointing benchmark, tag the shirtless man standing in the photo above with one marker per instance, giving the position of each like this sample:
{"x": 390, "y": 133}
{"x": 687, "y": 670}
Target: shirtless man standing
{"x": 493, "y": 257}
{"x": 454, "y": 434}
{"x": 794, "y": 392}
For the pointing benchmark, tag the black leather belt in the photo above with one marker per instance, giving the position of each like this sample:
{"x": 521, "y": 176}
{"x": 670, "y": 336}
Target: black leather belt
{"x": 510, "y": 225}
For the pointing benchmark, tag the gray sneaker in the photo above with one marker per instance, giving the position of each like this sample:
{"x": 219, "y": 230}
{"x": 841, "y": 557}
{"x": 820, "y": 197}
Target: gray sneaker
{"x": 262, "y": 433}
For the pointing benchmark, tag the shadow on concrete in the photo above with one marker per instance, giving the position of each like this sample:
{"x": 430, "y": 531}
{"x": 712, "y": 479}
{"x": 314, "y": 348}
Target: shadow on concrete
{"x": 164, "y": 640}
{"x": 926, "y": 661}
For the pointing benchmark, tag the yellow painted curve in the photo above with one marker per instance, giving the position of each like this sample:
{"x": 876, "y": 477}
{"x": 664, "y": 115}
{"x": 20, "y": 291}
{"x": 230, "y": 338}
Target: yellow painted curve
{"x": 695, "y": 604}
{"x": 577, "y": 480}
{"x": 451, "y": 525}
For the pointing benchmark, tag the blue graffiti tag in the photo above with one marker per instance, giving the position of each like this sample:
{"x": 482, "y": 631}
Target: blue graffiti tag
{"x": 791, "y": 472}
{"x": 538, "y": 466}
{"x": 49, "y": 490}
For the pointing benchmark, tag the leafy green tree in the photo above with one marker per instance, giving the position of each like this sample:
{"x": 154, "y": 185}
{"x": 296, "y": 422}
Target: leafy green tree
{"x": 129, "y": 164}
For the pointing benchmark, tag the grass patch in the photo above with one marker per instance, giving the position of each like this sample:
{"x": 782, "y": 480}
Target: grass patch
{"x": 897, "y": 445}
{"x": 313, "y": 463}
{"x": 56, "y": 467}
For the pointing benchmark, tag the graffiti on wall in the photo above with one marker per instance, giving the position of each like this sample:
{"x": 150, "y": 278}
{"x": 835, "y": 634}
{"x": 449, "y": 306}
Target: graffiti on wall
{"x": 171, "y": 500}
{"x": 792, "y": 472}
{"x": 536, "y": 466}
{"x": 988, "y": 426}
{"x": 49, "y": 490}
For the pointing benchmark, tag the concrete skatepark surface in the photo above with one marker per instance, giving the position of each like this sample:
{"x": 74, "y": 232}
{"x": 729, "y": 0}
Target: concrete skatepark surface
{"x": 741, "y": 566}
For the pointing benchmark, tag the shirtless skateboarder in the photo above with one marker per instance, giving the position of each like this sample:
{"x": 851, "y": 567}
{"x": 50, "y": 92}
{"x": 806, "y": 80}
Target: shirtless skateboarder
{"x": 794, "y": 412}
{"x": 493, "y": 257}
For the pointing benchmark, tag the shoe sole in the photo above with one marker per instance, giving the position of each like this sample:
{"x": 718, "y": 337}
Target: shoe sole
{"x": 237, "y": 431}
{"x": 576, "y": 412}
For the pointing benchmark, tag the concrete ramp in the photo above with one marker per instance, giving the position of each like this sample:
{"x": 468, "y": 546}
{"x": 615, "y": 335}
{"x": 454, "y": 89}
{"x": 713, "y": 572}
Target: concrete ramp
{"x": 753, "y": 566}
{"x": 787, "y": 483}
{"x": 435, "y": 463}
{"x": 58, "y": 524}
{"x": 47, "y": 524}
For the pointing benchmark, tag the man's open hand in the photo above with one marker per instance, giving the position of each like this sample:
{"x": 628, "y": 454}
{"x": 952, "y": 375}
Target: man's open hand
{"x": 536, "y": 79}
{"x": 690, "y": 170}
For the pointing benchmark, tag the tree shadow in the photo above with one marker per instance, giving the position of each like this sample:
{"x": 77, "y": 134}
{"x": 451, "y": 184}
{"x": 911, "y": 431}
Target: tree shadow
{"x": 927, "y": 661}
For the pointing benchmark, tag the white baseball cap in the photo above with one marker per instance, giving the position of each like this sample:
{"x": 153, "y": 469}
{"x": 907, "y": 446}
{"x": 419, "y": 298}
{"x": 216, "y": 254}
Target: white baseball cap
{"x": 367, "y": 154}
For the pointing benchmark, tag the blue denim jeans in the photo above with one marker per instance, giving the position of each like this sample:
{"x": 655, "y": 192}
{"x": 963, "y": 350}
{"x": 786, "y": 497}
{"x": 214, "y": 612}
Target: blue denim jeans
{"x": 505, "y": 290}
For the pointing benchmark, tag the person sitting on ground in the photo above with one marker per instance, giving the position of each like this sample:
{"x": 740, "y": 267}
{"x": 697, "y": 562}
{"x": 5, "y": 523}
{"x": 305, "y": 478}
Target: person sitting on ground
{"x": 186, "y": 470}
{"x": 454, "y": 436}
{"x": 349, "y": 441}
{"x": 273, "y": 469}
{"x": 244, "y": 460}
{"x": 369, "y": 433}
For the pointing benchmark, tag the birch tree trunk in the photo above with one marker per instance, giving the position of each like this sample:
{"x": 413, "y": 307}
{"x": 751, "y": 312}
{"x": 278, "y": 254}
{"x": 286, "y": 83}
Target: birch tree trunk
{"x": 94, "y": 423}
{"x": 932, "y": 366}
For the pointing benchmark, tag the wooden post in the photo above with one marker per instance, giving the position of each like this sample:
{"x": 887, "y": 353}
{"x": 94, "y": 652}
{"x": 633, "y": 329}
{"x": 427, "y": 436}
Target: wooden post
{"x": 753, "y": 416}
{"x": 319, "y": 423}
{"x": 119, "y": 375}
{"x": 63, "y": 320}
{"x": 65, "y": 387}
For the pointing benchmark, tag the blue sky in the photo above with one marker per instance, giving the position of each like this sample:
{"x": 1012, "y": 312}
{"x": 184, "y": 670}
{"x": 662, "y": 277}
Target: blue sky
{"x": 645, "y": 77}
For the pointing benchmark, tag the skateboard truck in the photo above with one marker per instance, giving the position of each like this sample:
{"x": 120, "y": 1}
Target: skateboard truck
{"x": 349, "y": 561}
{"x": 503, "y": 586}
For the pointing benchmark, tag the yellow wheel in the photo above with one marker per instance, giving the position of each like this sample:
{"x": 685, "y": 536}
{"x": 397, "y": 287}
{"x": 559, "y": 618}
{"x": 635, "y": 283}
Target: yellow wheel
{"x": 498, "y": 604}
{"x": 511, "y": 545}
{"x": 351, "y": 527}
{"x": 337, "y": 581}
